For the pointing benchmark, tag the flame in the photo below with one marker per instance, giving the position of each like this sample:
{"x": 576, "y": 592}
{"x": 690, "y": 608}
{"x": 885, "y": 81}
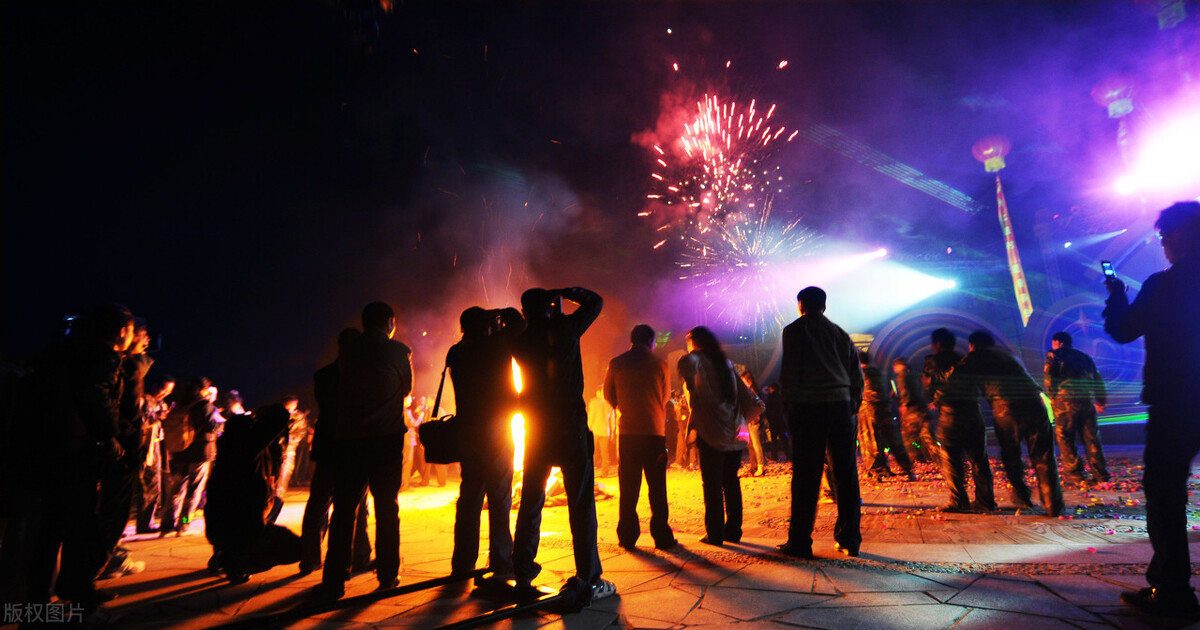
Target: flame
{"x": 518, "y": 423}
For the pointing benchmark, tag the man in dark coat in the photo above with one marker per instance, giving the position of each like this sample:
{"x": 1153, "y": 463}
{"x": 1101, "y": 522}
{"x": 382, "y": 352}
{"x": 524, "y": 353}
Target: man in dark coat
{"x": 1018, "y": 415}
{"x": 960, "y": 425}
{"x": 822, "y": 385}
{"x": 1166, "y": 312}
{"x": 556, "y": 434}
{"x": 638, "y": 385}
{"x": 485, "y": 400}
{"x": 1077, "y": 394}
{"x": 375, "y": 376}
{"x": 320, "y": 489}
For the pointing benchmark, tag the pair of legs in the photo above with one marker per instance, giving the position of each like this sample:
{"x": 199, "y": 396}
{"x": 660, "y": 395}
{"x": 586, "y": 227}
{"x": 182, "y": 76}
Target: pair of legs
{"x": 882, "y": 436}
{"x": 1172, "y": 441}
{"x": 918, "y": 435}
{"x": 643, "y": 454}
{"x": 722, "y": 493}
{"x": 490, "y": 477}
{"x": 966, "y": 437}
{"x": 575, "y": 460}
{"x": 824, "y": 431}
{"x": 1027, "y": 423}
{"x": 361, "y": 464}
{"x": 1074, "y": 419}
{"x": 185, "y": 488}
{"x": 316, "y": 520}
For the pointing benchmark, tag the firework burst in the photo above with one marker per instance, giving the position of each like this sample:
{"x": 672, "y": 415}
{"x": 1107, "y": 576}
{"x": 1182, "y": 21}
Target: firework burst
{"x": 738, "y": 266}
{"x": 718, "y": 165}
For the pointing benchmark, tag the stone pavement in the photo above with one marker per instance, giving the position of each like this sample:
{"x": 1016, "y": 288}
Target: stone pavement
{"x": 918, "y": 569}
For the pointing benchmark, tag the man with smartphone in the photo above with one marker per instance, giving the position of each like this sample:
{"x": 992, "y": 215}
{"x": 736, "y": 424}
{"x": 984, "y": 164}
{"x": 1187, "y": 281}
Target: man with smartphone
{"x": 1167, "y": 313}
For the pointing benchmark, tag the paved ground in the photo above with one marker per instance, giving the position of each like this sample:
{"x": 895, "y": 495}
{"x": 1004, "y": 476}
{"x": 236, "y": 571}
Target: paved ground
{"x": 918, "y": 569}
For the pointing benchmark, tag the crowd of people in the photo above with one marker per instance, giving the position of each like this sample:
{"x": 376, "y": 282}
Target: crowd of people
{"x": 92, "y": 440}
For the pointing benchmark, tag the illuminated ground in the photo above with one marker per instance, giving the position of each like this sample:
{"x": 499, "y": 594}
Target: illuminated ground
{"x": 919, "y": 568}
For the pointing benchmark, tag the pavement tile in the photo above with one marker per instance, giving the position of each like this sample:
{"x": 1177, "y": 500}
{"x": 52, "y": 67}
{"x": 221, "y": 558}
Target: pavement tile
{"x": 662, "y": 581}
{"x": 773, "y": 577}
{"x": 641, "y": 561}
{"x": 586, "y": 619}
{"x": 864, "y": 600}
{"x": 991, "y": 552}
{"x": 989, "y": 619}
{"x": 632, "y": 581}
{"x": 892, "y": 617}
{"x": 747, "y": 604}
{"x": 850, "y": 580}
{"x": 1083, "y": 590}
{"x": 1125, "y": 617}
{"x": 645, "y": 623}
{"x": 1014, "y": 596}
{"x": 665, "y": 605}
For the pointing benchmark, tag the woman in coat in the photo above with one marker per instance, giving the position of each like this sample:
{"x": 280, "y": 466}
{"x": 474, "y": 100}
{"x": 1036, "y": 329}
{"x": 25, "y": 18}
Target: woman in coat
{"x": 712, "y": 389}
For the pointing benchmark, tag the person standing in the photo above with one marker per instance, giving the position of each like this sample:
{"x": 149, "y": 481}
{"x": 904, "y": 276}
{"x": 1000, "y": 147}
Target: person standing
{"x": 1019, "y": 415}
{"x": 556, "y": 434}
{"x": 961, "y": 431}
{"x": 190, "y": 433}
{"x": 712, "y": 389}
{"x": 320, "y": 490}
{"x": 481, "y": 371}
{"x": 914, "y": 414}
{"x": 822, "y": 385}
{"x": 1077, "y": 393}
{"x": 601, "y": 418}
{"x": 875, "y": 413}
{"x": 1166, "y": 312}
{"x": 148, "y": 502}
{"x": 638, "y": 385}
{"x": 374, "y": 377}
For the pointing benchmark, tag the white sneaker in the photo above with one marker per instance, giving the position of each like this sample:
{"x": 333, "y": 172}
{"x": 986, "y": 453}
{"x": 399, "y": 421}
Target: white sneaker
{"x": 602, "y": 588}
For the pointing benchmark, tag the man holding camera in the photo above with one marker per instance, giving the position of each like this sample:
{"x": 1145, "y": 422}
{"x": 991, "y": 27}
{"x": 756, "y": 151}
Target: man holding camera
{"x": 1166, "y": 312}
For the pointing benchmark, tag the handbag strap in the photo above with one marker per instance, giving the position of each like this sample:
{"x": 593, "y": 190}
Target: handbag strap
{"x": 437, "y": 402}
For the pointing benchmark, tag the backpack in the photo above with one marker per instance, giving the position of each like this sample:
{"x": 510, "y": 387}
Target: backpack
{"x": 178, "y": 432}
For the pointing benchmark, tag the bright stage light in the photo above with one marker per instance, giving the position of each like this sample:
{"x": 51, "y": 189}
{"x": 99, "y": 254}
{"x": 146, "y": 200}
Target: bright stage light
{"x": 1126, "y": 185}
{"x": 873, "y": 293}
{"x": 880, "y": 253}
{"x": 1067, "y": 245}
{"x": 1166, "y": 159}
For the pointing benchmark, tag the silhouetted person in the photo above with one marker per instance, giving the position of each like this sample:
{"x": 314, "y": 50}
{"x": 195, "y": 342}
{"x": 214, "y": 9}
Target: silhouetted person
{"x": 1166, "y": 312}
{"x": 1077, "y": 393}
{"x": 556, "y": 434}
{"x": 375, "y": 376}
{"x": 64, "y": 437}
{"x": 712, "y": 388}
{"x": 781, "y": 443}
{"x": 1018, "y": 415}
{"x": 241, "y": 494}
{"x": 485, "y": 401}
{"x": 190, "y": 431}
{"x": 320, "y": 490}
{"x": 961, "y": 431}
{"x": 914, "y": 414}
{"x": 875, "y": 414}
{"x": 754, "y": 427}
{"x": 822, "y": 385}
{"x": 637, "y": 384}
{"x": 122, "y": 482}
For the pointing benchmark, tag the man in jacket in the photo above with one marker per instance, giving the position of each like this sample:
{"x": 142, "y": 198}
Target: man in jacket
{"x": 960, "y": 425}
{"x": 1165, "y": 312}
{"x": 1018, "y": 415}
{"x": 638, "y": 385}
{"x": 1077, "y": 393}
{"x": 375, "y": 376}
{"x": 822, "y": 385}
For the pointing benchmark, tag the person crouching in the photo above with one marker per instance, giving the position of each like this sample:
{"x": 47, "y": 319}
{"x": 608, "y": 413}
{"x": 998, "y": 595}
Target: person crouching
{"x": 240, "y": 497}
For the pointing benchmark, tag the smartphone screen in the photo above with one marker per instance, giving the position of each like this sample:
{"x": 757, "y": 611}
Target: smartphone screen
{"x": 1107, "y": 268}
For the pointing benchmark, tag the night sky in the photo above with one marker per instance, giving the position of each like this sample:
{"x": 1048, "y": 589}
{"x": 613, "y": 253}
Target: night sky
{"x": 247, "y": 175}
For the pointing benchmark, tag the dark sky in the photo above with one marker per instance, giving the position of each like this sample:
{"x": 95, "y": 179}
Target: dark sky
{"x": 247, "y": 175}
